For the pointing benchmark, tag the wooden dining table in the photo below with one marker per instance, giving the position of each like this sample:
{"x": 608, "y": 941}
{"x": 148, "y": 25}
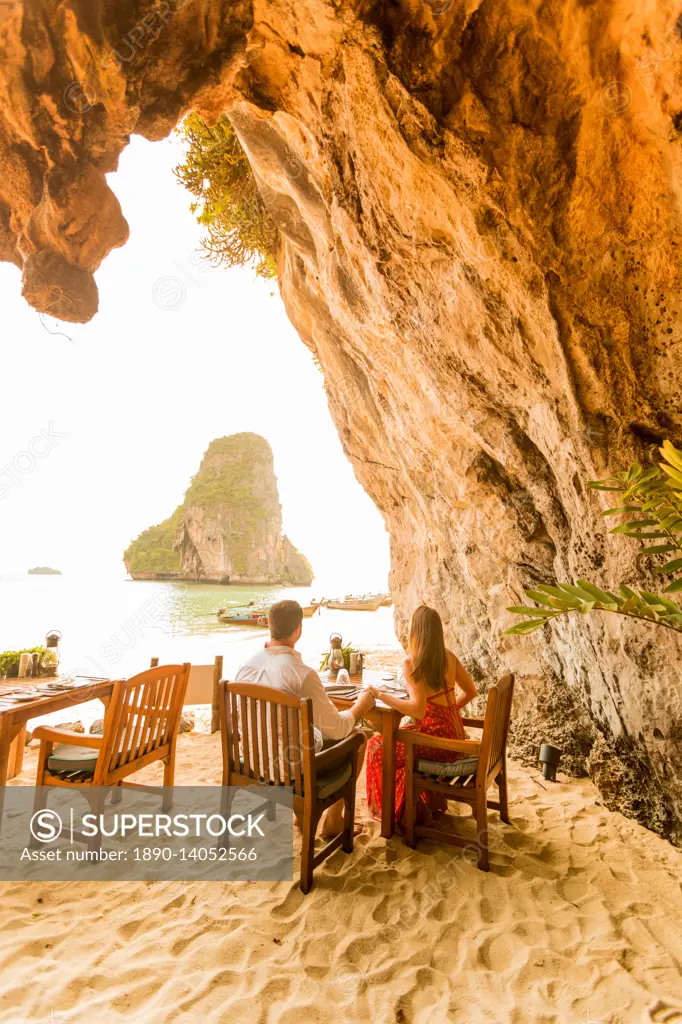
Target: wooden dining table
{"x": 14, "y": 714}
{"x": 386, "y": 721}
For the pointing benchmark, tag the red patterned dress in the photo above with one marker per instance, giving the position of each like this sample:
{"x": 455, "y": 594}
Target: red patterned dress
{"x": 439, "y": 720}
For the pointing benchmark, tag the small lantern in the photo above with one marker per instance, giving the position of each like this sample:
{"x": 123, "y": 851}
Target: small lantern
{"x": 549, "y": 758}
{"x": 51, "y": 656}
{"x": 336, "y": 660}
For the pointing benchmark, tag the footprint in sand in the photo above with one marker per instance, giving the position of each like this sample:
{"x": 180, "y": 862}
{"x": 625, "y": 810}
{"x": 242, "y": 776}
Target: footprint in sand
{"x": 584, "y": 835}
{"x": 380, "y": 911}
{"x": 663, "y": 1012}
{"x": 518, "y": 841}
{"x": 572, "y": 889}
{"x": 640, "y": 909}
{"x": 502, "y": 953}
{"x": 532, "y": 867}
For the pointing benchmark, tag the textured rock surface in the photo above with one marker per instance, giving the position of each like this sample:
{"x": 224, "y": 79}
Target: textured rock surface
{"x": 229, "y": 527}
{"x": 480, "y": 217}
{"x": 187, "y": 721}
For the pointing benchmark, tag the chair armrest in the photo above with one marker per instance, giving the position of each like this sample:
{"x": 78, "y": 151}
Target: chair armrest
{"x": 340, "y": 752}
{"x": 79, "y": 739}
{"x": 438, "y": 742}
{"x": 474, "y": 723}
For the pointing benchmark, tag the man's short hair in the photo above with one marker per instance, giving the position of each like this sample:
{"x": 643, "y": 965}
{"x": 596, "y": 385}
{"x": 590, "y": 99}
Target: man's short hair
{"x": 284, "y": 618}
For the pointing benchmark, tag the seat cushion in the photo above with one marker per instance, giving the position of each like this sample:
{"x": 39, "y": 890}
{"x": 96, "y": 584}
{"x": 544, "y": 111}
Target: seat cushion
{"x": 448, "y": 768}
{"x": 334, "y": 780}
{"x": 326, "y": 784}
{"x": 69, "y": 758}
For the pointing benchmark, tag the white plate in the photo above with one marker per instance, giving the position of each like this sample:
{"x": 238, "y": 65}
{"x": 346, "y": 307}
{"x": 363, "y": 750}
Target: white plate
{"x": 388, "y": 676}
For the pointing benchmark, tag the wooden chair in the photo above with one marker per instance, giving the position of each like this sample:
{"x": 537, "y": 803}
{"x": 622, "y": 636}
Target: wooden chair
{"x": 268, "y": 741}
{"x": 472, "y": 788}
{"x": 140, "y": 726}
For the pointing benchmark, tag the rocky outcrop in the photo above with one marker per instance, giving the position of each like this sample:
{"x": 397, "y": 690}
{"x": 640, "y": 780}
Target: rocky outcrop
{"x": 480, "y": 231}
{"x": 229, "y": 527}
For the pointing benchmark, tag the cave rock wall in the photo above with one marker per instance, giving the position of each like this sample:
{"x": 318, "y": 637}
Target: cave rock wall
{"x": 479, "y": 208}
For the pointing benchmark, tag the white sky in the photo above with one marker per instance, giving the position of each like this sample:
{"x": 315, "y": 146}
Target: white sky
{"x": 142, "y": 390}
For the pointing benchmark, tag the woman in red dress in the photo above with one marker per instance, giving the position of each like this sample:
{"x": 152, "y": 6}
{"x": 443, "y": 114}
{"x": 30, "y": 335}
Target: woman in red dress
{"x": 432, "y": 677}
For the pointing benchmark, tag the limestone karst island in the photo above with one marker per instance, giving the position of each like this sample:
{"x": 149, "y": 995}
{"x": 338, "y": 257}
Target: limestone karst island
{"x": 229, "y": 527}
{"x": 420, "y": 261}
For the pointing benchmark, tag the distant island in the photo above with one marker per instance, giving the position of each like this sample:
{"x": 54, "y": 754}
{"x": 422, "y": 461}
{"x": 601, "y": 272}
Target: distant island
{"x": 229, "y": 527}
{"x": 44, "y": 570}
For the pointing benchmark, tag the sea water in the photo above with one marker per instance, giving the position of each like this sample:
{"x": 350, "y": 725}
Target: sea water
{"x": 112, "y": 627}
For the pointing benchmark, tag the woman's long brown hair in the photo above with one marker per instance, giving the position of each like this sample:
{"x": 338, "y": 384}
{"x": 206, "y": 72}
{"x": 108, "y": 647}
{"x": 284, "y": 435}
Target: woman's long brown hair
{"x": 427, "y": 647}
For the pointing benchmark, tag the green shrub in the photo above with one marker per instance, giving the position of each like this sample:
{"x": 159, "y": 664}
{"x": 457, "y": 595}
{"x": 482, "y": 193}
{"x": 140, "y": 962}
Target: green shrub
{"x": 153, "y": 550}
{"x": 229, "y": 204}
{"x": 9, "y": 660}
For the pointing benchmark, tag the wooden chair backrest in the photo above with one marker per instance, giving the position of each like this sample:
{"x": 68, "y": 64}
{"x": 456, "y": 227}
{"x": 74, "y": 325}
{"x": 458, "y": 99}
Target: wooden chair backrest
{"x": 267, "y": 737}
{"x": 496, "y": 724}
{"x": 143, "y": 715}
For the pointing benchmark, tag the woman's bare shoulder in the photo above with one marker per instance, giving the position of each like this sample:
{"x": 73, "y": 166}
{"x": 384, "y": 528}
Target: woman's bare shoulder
{"x": 453, "y": 665}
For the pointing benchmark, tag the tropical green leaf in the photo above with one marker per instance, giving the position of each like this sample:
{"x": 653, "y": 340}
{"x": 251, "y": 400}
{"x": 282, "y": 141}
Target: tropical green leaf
{"x": 671, "y": 454}
{"x": 633, "y": 605}
{"x": 620, "y": 509}
{"x": 523, "y": 609}
{"x": 647, "y": 493}
{"x": 535, "y": 595}
{"x": 559, "y": 596}
{"x": 636, "y": 523}
{"x": 602, "y": 596}
{"x": 670, "y": 521}
{"x": 577, "y": 591}
{"x": 672, "y": 566}
{"x": 665, "y": 602}
{"x": 674, "y": 474}
{"x": 525, "y": 627}
{"x": 551, "y": 591}
{"x": 658, "y": 607}
{"x": 644, "y": 534}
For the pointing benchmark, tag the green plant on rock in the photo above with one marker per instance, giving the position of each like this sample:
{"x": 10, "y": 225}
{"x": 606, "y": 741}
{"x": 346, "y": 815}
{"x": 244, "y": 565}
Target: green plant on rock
{"x": 651, "y": 500}
{"x": 240, "y": 231}
{"x": 153, "y": 551}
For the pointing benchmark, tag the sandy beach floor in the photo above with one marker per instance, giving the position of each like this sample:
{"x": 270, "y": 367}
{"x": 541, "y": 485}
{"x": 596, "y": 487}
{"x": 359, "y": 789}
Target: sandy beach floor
{"x": 579, "y": 920}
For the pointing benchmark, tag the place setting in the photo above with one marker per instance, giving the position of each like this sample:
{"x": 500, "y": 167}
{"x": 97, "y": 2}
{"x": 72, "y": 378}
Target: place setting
{"x": 343, "y": 664}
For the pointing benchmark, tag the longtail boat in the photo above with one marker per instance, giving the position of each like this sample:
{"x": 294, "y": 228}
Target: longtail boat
{"x": 244, "y": 616}
{"x": 256, "y": 616}
{"x": 358, "y": 604}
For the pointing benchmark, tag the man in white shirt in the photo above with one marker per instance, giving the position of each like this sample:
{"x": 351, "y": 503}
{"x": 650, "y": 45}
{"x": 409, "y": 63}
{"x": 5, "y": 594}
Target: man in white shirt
{"x": 280, "y": 666}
